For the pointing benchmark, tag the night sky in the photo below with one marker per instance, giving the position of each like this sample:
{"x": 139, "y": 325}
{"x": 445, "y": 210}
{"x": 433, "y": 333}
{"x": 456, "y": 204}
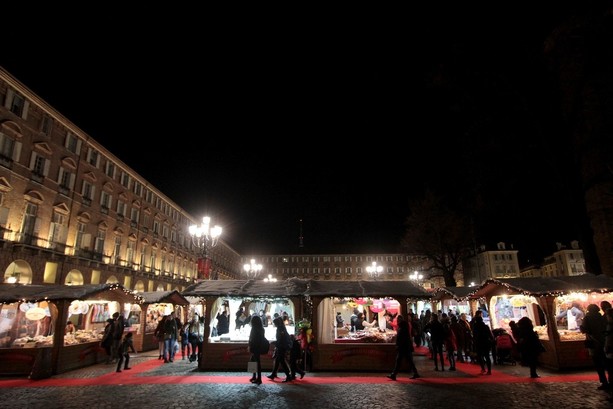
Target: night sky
{"x": 334, "y": 119}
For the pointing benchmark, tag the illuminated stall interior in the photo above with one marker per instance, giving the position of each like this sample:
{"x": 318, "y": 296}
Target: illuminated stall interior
{"x": 29, "y": 314}
{"x": 240, "y": 324}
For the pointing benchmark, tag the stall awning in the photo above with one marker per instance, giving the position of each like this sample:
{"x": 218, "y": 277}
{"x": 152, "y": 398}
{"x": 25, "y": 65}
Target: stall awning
{"x": 172, "y": 297}
{"x": 10, "y": 293}
{"x": 456, "y": 293}
{"x": 541, "y": 286}
{"x": 302, "y": 287}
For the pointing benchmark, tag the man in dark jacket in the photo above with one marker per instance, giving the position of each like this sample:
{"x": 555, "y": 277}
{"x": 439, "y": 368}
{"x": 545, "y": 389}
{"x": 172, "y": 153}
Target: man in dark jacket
{"x": 594, "y": 326}
{"x": 118, "y": 327}
{"x": 404, "y": 348}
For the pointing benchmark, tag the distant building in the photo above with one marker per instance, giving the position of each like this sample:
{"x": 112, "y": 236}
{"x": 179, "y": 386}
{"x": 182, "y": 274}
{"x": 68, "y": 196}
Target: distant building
{"x": 346, "y": 267}
{"x": 498, "y": 263}
{"x": 564, "y": 262}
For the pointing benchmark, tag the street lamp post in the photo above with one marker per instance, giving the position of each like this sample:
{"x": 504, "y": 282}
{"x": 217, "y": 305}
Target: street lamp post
{"x": 374, "y": 270}
{"x": 416, "y": 277}
{"x": 204, "y": 238}
{"x": 252, "y": 269}
{"x": 270, "y": 279}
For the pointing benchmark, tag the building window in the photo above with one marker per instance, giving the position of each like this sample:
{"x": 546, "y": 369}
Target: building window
{"x": 46, "y": 124}
{"x": 93, "y": 157}
{"x": 17, "y": 104}
{"x": 152, "y": 261}
{"x": 117, "y": 250}
{"x": 105, "y": 200}
{"x": 125, "y": 180}
{"x": 57, "y": 231}
{"x": 121, "y": 208}
{"x": 134, "y": 215}
{"x": 79, "y": 239}
{"x": 99, "y": 244}
{"x": 88, "y": 190}
{"x": 142, "y": 257}
{"x": 110, "y": 169}
{"x": 137, "y": 188}
{"x": 29, "y": 224}
{"x": 65, "y": 179}
{"x": 130, "y": 253}
{"x": 9, "y": 149}
{"x": 39, "y": 165}
{"x": 72, "y": 143}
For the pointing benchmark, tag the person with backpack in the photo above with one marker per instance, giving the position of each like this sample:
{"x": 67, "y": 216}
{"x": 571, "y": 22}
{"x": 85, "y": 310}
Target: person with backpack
{"x": 283, "y": 344}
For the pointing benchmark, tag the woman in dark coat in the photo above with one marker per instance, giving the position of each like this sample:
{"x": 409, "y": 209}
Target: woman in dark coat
{"x": 529, "y": 345}
{"x": 256, "y": 339}
{"x": 282, "y": 346}
{"x": 437, "y": 338}
{"x": 483, "y": 339}
{"x": 107, "y": 340}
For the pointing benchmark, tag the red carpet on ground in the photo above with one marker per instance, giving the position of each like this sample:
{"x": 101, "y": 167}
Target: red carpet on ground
{"x": 467, "y": 373}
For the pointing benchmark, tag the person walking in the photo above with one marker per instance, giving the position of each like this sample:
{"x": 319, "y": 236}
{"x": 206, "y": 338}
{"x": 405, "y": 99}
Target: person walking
{"x": 450, "y": 340}
{"x": 294, "y": 355}
{"x": 467, "y": 345}
{"x": 404, "y": 349}
{"x": 185, "y": 344}
{"x": 529, "y": 345}
{"x": 282, "y": 346}
{"x": 483, "y": 339}
{"x": 125, "y": 347}
{"x": 195, "y": 335}
{"x": 437, "y": 338}
{"x": 170, "y": 337}
{"x": 608, "y": 345}
{"x": 594, "y": 326}
{"x": 107, "y": 340}
{"x": 258, "y": 345}
{"x": 159, "y": 335}
{"x": 118, "y": 327}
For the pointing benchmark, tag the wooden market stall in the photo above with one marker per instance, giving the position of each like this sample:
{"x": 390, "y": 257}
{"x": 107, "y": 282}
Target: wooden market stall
{"x": 456, "y": 300}
{"x": 33, "y": 320}
{"x": 229, "y": 351}
{"x": 157, "y": 304}
{"x": 371, "y": 349}
{"x": 544, "y": 301}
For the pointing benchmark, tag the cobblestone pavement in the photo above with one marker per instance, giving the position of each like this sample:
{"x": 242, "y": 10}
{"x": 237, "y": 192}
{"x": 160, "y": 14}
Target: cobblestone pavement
{"x": 152, "y": 384}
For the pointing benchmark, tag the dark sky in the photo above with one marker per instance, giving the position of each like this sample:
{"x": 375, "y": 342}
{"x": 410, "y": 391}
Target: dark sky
{"x": 335, "y": 119}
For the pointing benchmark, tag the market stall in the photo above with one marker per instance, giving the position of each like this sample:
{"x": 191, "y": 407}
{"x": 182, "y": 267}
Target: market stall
{"x": 455, "y": 300}
{"x": 240, "y": 299}
{"x": 370, "y": 349}
{"x": 546, "y": 302}
{"x": 34, "y": 340}
{"x": 156, "y": 305}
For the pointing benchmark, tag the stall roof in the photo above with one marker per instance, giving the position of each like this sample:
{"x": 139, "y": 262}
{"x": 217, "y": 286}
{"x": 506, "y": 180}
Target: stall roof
{"x": 229, "y": 288}
{"x": 10, "y": 293}
{"x": 540, "y": 286}
{"x": 173, "y": 297}
{"x": 298, "y": 287}
{"x": 457, "y": 293}
{"x": 400, "y": 288}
